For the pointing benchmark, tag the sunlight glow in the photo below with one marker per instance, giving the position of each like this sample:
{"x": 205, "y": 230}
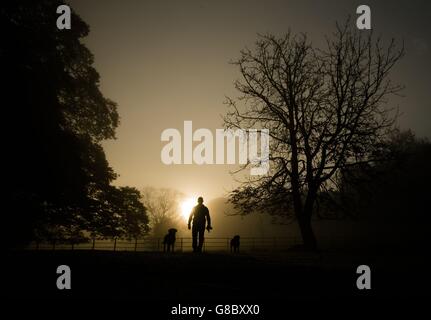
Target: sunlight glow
{"x": 187, "y": 206}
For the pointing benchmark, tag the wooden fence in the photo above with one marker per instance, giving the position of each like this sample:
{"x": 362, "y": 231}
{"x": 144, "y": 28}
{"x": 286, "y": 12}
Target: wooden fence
{"x": 183, "y": 244}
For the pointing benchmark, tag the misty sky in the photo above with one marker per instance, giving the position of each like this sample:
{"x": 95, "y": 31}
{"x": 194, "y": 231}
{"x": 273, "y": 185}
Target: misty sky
{"x": 164, "y": 62}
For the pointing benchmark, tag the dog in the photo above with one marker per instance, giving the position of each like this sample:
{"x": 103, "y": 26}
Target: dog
{"x": 169, "y": 240}
{"x": 234, "y": 244}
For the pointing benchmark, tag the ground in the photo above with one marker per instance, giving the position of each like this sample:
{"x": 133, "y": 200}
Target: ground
{"x": 153, "y": 283}
{"x": 209, "y": 277}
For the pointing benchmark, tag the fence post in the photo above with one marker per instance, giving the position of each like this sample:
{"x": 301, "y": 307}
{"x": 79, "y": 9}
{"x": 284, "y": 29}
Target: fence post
{"x": 158, "y": 244}
{"x": 94, "y": 243}
{"x": 73, "y": 244}
{"x": 115, "y": 244}
{"x": 227, "y": 244}
{"x": 181, "y": 244}
{"x": 136, "y": 243}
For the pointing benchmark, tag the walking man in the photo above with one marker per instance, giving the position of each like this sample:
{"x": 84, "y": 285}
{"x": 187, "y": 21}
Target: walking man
{"x": 200, "y": 216}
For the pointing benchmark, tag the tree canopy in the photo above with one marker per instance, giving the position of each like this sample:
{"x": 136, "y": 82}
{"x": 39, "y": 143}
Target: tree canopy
{"x": 325, "y": 110}
{"x": 57, "y": 175}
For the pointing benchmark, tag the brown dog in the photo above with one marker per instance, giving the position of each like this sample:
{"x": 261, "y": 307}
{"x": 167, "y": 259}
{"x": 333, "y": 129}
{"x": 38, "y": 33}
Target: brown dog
{"x": 234, "y": 244}
{"x": 169, "y": 240}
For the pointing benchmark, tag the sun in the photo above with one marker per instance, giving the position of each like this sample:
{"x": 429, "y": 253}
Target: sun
{"x": 186, "y": 207}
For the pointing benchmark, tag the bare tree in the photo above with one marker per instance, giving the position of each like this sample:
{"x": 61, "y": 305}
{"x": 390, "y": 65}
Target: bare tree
{"x": 162, "y": 208}
{"x": 325, "y": 110}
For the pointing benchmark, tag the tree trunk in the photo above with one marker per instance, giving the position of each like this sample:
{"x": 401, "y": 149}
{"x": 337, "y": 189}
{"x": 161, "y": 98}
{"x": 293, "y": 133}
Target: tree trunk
{"x": 303, "y": 215}
{"x": 308, "y": 237}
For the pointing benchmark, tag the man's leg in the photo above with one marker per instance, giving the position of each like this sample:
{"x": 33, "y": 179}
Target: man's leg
{"x": 201, "y": 238}
{"x": 195, "y": 238}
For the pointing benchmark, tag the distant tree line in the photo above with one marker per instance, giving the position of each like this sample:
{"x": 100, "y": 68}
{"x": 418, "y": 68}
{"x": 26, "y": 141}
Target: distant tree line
{"x": 395, "y": 189}
{"x": 163, "y": 205}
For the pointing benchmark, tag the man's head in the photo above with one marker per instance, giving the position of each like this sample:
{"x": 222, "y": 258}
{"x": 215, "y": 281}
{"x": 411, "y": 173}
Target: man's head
{"x": 200, "y": 200}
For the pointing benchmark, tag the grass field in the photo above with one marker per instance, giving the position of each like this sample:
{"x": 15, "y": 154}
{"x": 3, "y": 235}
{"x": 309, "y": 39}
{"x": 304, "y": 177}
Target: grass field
{"x": 207, "y": 277}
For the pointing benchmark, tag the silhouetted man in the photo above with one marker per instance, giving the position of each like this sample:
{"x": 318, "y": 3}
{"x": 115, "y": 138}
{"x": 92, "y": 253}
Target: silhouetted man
{"x": 200, "y": 216}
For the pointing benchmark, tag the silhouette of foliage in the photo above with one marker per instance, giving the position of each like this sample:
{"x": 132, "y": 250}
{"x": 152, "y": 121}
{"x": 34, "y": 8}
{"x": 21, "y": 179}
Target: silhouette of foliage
{"x": 395, "y": 189}
{"x": 56, "y": 118}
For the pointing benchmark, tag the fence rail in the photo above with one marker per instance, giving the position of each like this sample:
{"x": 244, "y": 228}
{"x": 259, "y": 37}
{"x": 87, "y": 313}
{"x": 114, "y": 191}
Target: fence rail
{"x": 183, "y": 244}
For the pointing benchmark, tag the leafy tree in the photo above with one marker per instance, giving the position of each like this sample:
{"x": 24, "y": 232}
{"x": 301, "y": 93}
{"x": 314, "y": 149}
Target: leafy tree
{"x": 325, "y": 110}
{"x": 118, "y": 213}
{"x": 55, "y": 120}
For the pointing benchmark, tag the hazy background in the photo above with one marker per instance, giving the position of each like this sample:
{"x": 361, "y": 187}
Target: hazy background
{"x": 164, "y": 62}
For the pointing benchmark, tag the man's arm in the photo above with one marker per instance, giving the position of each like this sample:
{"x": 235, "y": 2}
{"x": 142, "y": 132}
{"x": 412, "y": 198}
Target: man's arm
{"x": 207, "y": 214}
{"x": 190, "y": 218}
